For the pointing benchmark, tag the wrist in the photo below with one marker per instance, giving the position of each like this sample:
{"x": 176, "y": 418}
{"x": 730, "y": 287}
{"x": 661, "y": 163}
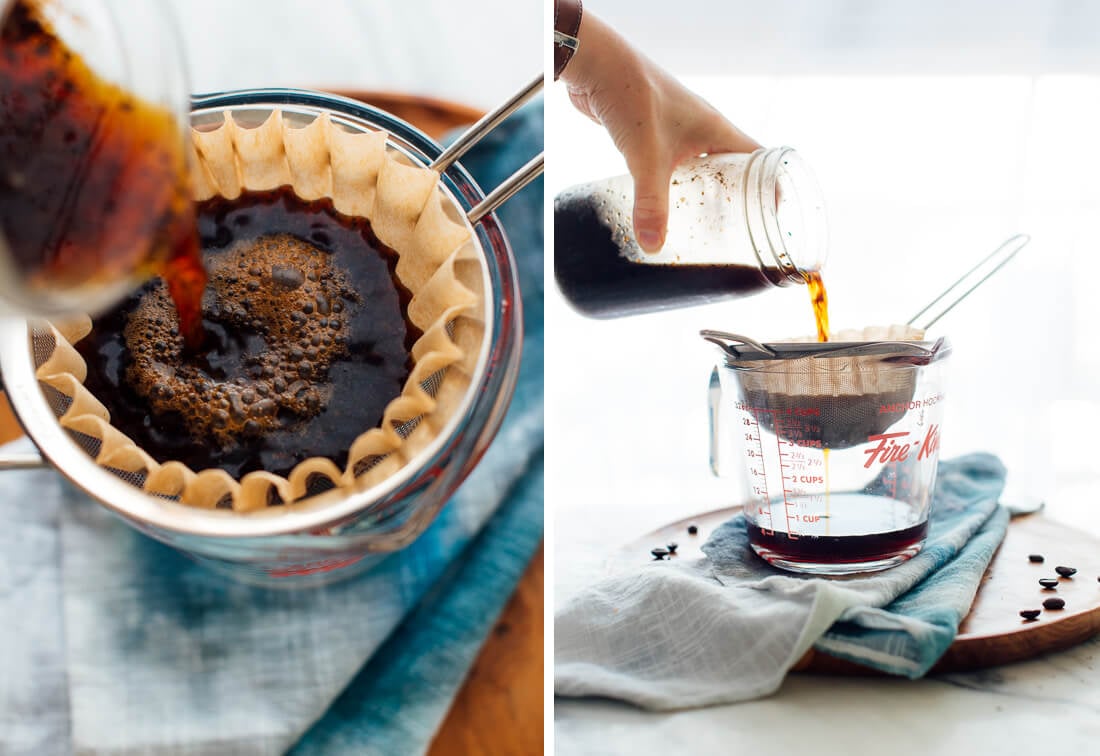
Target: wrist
{"x": 567, "y": 22}
{"x": 601, "y": 57}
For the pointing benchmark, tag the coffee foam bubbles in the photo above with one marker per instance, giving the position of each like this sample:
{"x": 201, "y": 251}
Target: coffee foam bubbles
{"x": 276, "y": 316}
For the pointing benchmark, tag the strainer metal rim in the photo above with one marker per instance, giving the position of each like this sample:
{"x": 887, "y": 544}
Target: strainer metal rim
{"x": 503, "y": 318}
{"x": 739, "y": 348}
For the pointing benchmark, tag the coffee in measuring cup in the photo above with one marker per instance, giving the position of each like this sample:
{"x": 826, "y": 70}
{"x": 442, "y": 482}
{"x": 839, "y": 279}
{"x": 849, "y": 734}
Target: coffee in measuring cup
{"x": 837, "y": 445}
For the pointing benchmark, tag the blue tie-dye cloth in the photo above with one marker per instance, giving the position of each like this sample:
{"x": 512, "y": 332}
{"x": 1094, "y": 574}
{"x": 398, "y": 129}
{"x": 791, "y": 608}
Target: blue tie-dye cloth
{"x": 111, "y": 643}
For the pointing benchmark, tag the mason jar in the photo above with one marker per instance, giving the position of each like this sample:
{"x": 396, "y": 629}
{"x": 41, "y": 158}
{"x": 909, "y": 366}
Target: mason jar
{"x": 739, "y": 224}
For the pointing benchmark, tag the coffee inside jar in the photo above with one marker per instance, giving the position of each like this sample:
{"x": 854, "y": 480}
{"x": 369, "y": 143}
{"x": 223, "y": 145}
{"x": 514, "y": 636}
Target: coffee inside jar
{"x": 307, "y": 341}
{"x": 93, "y": 180}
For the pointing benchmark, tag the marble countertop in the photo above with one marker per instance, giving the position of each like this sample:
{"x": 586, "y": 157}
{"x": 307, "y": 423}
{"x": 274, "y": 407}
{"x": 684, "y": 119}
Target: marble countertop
{"x": 1049, "y": 705}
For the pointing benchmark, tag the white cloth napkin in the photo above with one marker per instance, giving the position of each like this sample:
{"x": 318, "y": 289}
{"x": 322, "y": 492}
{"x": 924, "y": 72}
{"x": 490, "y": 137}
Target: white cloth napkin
{"x": 727, "y": 628}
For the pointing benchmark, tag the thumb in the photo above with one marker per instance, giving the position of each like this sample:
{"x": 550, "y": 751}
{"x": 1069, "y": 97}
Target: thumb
{"x": 651, "y": 205}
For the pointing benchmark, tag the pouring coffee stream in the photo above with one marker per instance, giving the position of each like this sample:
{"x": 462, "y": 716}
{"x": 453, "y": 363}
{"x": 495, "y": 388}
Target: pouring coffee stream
{"x": 962, "y": 288}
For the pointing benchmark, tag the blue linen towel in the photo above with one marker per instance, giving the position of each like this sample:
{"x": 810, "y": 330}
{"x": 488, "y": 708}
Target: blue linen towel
{"x": 728, "y": 627}
{"x": 111, "y": 643}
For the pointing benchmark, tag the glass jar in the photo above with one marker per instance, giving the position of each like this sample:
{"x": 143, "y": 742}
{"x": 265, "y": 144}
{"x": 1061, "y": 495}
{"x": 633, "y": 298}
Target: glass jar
{"x": 739, "y": 223}
{"x": 94, "y": 181}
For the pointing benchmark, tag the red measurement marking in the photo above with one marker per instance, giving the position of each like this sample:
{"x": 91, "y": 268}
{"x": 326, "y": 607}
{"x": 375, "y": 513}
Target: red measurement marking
{"x": 786, "y": 500}
{"x": 313, "y": 567}
{"x": 762, "y": 490}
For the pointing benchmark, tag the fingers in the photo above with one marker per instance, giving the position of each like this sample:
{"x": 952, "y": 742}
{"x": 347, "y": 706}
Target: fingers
{"x": 714, "y": 134}
{"x": 729, "y": 138}
{"x": 651, "y": 181}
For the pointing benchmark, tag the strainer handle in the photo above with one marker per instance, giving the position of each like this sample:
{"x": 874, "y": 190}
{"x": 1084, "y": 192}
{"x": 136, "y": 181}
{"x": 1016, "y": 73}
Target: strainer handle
{"x": 973, "y": 278}
{"x": 22, "y": 461}
{"x": 477, "y": 132}
{"x": 507, "y": 188}
{"x": 487, "y": 123}
{"x": 727, "y": 342}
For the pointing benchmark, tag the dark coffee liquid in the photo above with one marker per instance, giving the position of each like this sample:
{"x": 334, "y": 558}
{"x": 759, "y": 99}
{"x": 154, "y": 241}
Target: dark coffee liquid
{"x": 599, "y": 282}
{"x": 836, "y": 549}
{"x": 306, "y": 342}
{"x": 93, "y": 181}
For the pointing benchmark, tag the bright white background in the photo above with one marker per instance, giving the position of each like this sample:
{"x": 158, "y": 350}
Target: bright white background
{"x": 477, "y": 53}
{"x": 937, "y": 129}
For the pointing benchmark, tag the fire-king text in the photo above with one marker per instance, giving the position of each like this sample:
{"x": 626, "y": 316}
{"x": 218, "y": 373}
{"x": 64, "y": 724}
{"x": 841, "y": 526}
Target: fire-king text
{"x": 890, "y": 449}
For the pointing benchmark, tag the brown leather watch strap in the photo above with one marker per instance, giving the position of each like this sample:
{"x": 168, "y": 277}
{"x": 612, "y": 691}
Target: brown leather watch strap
{"x": 567, "y": 22}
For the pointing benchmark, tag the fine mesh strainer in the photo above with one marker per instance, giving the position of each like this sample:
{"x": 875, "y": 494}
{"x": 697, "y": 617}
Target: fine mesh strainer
{"x": 330, "y": 529}
{"x": 851, "y": 385}
{"x": 842, "y": 384}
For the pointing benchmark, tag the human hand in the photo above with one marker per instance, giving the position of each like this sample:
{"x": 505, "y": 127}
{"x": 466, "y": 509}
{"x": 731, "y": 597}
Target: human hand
{"x": 655, "y": 122}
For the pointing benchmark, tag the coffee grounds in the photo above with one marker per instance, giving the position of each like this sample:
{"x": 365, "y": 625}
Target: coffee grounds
{"x": 306, "y": 342}
{"x": 261, "y": 301}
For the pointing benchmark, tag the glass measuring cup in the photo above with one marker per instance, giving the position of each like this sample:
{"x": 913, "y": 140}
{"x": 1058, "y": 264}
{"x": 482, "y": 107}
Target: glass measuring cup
{"x": 837, "y": 445}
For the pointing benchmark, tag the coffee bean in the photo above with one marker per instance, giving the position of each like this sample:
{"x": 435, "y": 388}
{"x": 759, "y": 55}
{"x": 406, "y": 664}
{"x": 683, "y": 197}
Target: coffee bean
{"x": 1048, "y": 583}
{"x": 1036, "y": 558}
{"x": 672, "y": 546}
{"x": 1054, "y": 603}
{"x": 659, "y": 553}
{"x": 1066, "y": 571}
{"x": 693, "y": 529}
{"x": 1029, "y": 614}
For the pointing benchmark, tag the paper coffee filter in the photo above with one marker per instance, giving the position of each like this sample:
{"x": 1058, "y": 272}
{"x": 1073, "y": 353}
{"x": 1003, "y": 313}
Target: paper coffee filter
{"x": 847, "y": 391}
{"x": 438, "y": 261}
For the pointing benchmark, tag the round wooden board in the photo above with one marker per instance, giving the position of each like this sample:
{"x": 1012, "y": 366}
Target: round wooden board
{"x": 993, "y": 633}
{"x": 433, "y": 116}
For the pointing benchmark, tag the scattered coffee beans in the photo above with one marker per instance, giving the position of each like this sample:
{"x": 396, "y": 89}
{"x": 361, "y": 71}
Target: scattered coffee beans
{"x": 1036, "y": 558}
{"x": 672, "y": 547}
{"x": 1054, "y": 603}
{"x": 1048, "y": 583}
{"x": 693, "y": 529}
{"x": 1029, "y": 614}
{"x": 1066, "y": 571}
{"x": 659, "y": 553}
